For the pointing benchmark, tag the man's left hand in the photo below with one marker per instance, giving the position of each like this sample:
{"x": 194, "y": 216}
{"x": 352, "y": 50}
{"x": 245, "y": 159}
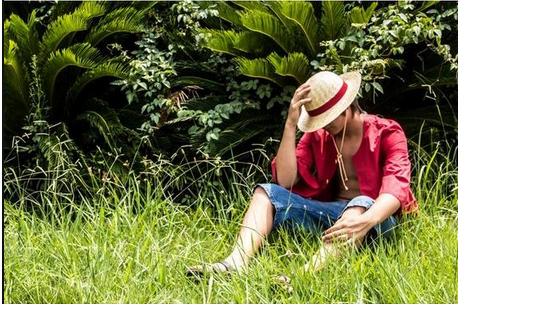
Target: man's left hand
{"x": 349, "y": 228}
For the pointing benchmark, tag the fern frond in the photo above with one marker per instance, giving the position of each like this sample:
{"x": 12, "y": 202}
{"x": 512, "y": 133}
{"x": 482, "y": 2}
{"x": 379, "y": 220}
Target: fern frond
{"x": 122, "y": 20}
{"x": 358, "y": 15}
{"x": 270, "y": 26}
{"x": 81, "y": 55}
{"x": 334, "y": 21}
{"x": 14, "y": 73}
{"x": 251, "y": 5}
{"x": 252, "y": 42}
{"x": 228, "y": 13}
{"x": 70, "y": 23}
{"x": 258, "y": 68}
{"x": 107, "y": 69}
{"x": 24, "y": 34}
{"x": 295, "y": 65}
{"x": 301, "y": 13}
{"x": 15, "y": 101}
{"x": 221, "y": 40}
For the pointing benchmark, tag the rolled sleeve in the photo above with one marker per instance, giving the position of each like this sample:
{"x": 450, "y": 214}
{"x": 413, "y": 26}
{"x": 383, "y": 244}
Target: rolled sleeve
{"x": 397, "y": 168}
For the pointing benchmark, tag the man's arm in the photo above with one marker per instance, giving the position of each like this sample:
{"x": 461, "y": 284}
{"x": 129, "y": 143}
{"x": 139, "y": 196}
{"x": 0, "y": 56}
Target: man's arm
{"x": 384, "y": 206}
{"x": 286, "y": 154}
{"x": 395, "y": 181}
{"x": 354, "y": 228}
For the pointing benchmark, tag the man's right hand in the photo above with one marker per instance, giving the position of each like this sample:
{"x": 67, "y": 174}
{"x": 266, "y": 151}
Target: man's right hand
{"x": 298, "y": 100}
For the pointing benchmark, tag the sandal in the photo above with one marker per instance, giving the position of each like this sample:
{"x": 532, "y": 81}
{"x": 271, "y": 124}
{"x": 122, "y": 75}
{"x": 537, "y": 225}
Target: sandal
{"x": 284, "y": 281}
{"x": 200, "y": 271}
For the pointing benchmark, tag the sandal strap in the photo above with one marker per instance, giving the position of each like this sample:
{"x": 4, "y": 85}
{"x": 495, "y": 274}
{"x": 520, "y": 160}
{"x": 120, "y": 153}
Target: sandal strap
{"x": 226, "y": 265}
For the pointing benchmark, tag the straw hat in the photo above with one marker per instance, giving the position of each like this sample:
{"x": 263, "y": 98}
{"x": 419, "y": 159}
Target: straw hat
{"x": 330, "y": 95}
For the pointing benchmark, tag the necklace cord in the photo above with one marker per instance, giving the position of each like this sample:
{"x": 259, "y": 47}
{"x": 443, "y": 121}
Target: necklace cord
{"x": 339, "y": 157}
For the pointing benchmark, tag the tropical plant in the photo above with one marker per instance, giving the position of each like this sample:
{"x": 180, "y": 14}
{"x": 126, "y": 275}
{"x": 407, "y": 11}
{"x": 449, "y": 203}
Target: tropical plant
{"x": 71, "y": 59}
{"x": 244, "y": 71}
{"x": 277, "y": 40}
{"x": 374, "y": 48}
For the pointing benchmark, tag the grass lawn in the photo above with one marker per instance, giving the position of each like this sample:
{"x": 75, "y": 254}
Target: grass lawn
{"x": 105, "y": 253}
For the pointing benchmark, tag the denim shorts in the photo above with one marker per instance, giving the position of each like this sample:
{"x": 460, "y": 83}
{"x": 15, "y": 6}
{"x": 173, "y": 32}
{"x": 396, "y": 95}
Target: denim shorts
{"x": 292, "y": 209}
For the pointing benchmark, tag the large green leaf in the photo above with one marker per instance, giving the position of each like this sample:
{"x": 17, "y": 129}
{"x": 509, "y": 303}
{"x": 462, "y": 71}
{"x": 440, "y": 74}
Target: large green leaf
{"x": 361, "y": 16}
{"x": 24, "y": 34}
{"x": 221, "y": 40}
{"x": 251, "y": 5}
{"x": 270, "y": 26}
{"x": 122, "y": 20}
{"x": 334, "y": 21}
{"x": 106, "y": 69}
{"x": 70, "y": 23}
{"x": 81, "y": 55}
{"x": 295, "y": 65}
{"x": 253, "y": 43}
{"x": 14, "y": 90}
{"x": 258, "y": 68}
{"x": 426, "y": 5}
{"x": 226, "y": 12}
{"x": 301, "y": 13}
{"x": 14, "y": 75}
{"x": 275, "y": 8}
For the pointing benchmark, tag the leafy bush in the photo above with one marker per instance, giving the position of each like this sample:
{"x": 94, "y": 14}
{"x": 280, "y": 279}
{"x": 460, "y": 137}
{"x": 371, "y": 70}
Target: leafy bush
{"x": 71, "y": 59}
{"x": 373, "y": 48}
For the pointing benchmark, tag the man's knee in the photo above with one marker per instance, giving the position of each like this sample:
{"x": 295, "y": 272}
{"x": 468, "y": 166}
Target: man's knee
{"x": 259, "y": 191}
{"x": 260, "y": 195}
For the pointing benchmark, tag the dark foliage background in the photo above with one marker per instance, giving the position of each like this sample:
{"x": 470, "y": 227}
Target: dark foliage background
{"x": 191, "y": 81}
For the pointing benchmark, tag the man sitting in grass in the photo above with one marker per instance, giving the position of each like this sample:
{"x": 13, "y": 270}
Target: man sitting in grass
{"x": 349, "y": 175}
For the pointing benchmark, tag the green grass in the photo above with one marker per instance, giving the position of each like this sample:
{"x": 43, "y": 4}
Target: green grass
{"x": 131, "y": 246}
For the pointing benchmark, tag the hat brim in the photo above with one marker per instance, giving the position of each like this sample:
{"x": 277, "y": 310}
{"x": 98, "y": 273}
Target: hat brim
{"x": 307, "y": 123}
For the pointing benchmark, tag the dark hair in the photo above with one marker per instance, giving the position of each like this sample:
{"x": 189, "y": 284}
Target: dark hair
{"x": 355, "y": 106}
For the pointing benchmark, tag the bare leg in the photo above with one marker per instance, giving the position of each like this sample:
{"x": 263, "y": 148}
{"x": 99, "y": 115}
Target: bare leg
{"x": 257, "y": 224}
{"x": 331, "y": 250}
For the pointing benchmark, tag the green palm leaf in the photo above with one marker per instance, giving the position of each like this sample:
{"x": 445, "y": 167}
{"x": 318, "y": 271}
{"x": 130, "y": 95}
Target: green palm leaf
{"x": 15, "y": 79}
{"x": 426, "y": 5}
{"x": 269, "y": 25}
{"x": 295, "y": 65}
{"x": 258, "y": 68}
{"x": 70, "y": 23}
{"x": 226, "y": 12}
{"x": 122, "y": 20}
{"x": 81, "y": 55}
{"x": 275, "y": 7}
{"x": 253, "y": 43}
{"x": 251, "y": 5}
{"x": 15, "y": 89}
{"x": 301, "y": 13}
{"x": 221, "y": 40}
{"x": 361, "y": 16}
{"x": 24, "y": 34}
{"x": 107, "y": 69}
{"x": 334, "y": 22}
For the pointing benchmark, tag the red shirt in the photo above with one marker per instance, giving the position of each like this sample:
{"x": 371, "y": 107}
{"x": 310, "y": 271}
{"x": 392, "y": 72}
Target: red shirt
{"x": 382, "y": 164}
